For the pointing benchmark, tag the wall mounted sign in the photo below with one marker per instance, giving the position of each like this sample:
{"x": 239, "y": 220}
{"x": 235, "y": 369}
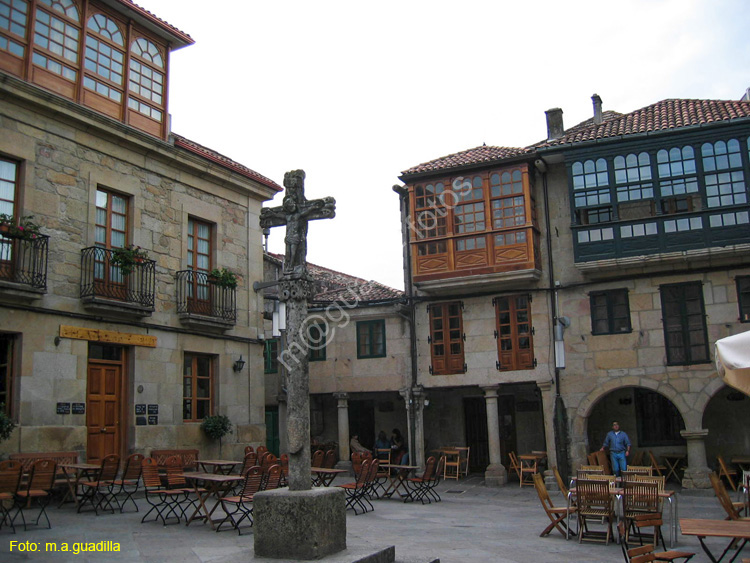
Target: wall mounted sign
{"x": 110, "y": 336}
{"x": 153, "y": 409}
{"x": 140, "y": 410}
{"x": 153, "y": 419}
{"x": 63, "y": 408}
{"x": 79, "y": 408}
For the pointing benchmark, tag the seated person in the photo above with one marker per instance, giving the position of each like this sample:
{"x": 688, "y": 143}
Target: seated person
{"x": 355, "y": 446}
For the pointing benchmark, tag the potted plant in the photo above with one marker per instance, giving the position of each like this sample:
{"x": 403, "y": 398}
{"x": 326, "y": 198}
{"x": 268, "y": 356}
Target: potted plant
{"x": 216, "y": 427}
{"x": 25, "y": 229}
{"x": 126, "y": 258}
{"x": 6, "y": 424}
{"x": 222, "y": 277}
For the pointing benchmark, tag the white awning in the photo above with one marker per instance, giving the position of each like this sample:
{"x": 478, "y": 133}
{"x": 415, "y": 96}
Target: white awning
{"x": 733, "y": 360}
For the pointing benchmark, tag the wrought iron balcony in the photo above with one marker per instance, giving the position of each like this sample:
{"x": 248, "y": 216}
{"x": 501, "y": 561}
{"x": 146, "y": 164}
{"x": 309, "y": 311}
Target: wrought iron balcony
{"x": 24, "y": 261}
{"x": 103, "y": 282}
{"x": 203, "y": 302}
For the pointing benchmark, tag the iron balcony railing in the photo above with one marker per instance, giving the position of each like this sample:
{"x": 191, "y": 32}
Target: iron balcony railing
{"x": 196, "y": 295}
{"x": 102, "y": 279}
{"x": 24, "y": 260}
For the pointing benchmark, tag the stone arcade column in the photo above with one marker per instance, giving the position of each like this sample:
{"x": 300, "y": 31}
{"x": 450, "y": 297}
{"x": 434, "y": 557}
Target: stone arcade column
{"x": 495, "y": 475}
{"x": 548, "y": 415}
{"x": 419, "y": 398}
{"x": 697, "y": 471}
{"x": 343, "y": 420}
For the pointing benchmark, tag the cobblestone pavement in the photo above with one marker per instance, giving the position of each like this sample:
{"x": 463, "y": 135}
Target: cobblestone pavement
{"x": 472, "y": 523}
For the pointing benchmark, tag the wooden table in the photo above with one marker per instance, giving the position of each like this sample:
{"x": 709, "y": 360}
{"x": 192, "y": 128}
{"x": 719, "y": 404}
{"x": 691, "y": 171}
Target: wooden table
{"x": 397, "y": 479}
{"x": 221, "y": 466}
{"x": 325, "y": 475}
{"x": 618, "y": 492}
{"x": 216, "y": 485}
{"x": 673, "y": 462}
{"x": 73, "y": 473}
{"x": 734, "y": 529}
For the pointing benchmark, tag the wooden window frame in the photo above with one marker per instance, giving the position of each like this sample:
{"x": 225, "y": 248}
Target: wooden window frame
{"x": 271, "y": 356}
{"x": 11, "y": 36}
{"x": 317, "y": 351}
{"x": 367, "y": 334}
{"x": 609, "y": 313}
{"x": 75, "y": 66}
{"x": 7, "y": 358}
{"x": 4, "y": 203}
{"x": 143, "y": 61}
{"x": 447, "y": 339}
{"x": 518, "y": 356}
{"x": 122, "y": 50}
{"x": 681, "y": 327}
{"x": 658, "y": 421}
{"x": 195, "y": 378}
{"x": 743, "y": 297}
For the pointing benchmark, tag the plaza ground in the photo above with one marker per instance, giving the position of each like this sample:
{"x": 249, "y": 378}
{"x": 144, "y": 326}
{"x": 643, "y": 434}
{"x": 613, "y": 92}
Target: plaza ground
{"x": 473, "y": 523}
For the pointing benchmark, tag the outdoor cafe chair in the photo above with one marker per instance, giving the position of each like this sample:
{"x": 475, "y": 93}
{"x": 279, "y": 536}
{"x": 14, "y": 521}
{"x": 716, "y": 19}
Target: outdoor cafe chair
{"x": 463, "y": 458}
{"x": 602, "y": 458}
{"x": 514, "y": 465}
{"x": 358, "y": 489}
{"x": 431, "y": 493}
{"x": 38, "y": 489}
{"x": 129, "y": 481}
{"x": 317, "y": 458}
{"x": 728, "y": 474}
{"x": 638, "y": 470}
{"x": 98, "y": 491}
{"x": 733, "y": 510}
{"x": 636, "y": 458}
{"x": 164, "y": 501}
{"x": 595, "y": 503}
{"x": 557, "y": 514}
{"x": 250, "y": 449}
{"x": 357, "y": 459}
{"x": 240, "y": 507}
{"x": 268, "y": 460}
{"x": 640, "y": 500}
{"x": 645, "y": 553}
{"x": 176, "y": 482}
{"x": 419, "y": 487}
{"x": 528, "y": 470}
{"x": 271, "y": 477}
{"x": 10, "y": 478}
{"x": 560, "y": 483}
{"x": 329, "y": 460}
{"x": 658, "y": 469}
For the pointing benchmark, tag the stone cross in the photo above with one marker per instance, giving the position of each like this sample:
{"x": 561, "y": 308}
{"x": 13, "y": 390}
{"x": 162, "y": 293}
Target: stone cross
{"x": 295, "y": 288}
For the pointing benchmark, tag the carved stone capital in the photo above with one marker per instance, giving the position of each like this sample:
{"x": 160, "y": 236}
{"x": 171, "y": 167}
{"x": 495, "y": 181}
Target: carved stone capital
{"x": 300, "y": 289}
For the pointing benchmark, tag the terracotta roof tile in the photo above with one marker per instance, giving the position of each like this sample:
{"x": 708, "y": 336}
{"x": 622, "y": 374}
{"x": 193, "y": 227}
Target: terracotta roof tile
{"x": 334, "y": 286}
{"x": 661, "y": 116}
{"x": 224, "y": 161}
{"x": 183, "y": 37}
{"x": 476, "y": 155}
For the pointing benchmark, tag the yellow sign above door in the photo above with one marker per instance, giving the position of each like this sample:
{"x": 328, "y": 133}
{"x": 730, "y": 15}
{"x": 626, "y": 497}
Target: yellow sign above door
{"x": 111, "y": 336}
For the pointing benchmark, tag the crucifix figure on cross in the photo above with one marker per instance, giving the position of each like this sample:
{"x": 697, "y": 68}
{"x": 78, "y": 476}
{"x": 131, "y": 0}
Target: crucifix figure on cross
{"x": 295, "y": 212}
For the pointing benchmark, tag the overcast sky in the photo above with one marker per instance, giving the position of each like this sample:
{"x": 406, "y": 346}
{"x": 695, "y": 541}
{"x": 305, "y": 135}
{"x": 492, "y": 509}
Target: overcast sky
{"x": 355, "y": 92}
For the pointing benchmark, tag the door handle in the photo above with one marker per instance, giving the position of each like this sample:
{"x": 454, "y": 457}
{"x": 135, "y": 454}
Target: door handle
{"x": 103, "y": 429}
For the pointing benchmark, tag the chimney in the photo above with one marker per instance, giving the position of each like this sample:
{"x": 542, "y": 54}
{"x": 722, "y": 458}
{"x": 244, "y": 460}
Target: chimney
{"x": 555, "y": 128}
{"x": 597, "y": 109}
{"x": 746, "y": 96}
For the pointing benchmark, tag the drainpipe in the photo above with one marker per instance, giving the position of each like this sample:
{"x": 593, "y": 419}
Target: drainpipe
{"x": 403, "y": 194}
{"x": 558, "y": 326}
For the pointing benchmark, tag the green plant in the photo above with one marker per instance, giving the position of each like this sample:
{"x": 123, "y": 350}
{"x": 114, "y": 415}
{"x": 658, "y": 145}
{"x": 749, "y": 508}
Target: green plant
{"x": 222, "y": 277}
{"x": 26, "y": 228}
{"x": 126, "y": 258}
{"x": 6, "y": 424}
{"x": 216, "y": 426}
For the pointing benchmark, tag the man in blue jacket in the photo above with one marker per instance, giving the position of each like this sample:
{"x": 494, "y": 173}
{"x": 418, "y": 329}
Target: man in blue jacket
{"x": 618, "y": 444}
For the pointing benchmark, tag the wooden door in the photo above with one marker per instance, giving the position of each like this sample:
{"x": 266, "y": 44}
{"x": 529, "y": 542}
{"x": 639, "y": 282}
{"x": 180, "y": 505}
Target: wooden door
{"x": 103, "y": 410}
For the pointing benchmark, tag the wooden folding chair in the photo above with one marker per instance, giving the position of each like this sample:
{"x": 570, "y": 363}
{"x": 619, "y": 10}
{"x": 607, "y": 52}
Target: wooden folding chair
{"x": 733, "y": 509}
{"x": 463, "y": 457}
{"x": 560, "y": 483}
{"x": 603, "y": 459}
{"x": 356, "y": 490}
{"x": 640, "y": 503}
{"x": 514, "y": 465}
{"x": 658, "y": 469}
{"x": 728, "y": 474}
{"x": 452, "y": 466}
{"x": 419, "y": 487}
{"x": 98, "y": 491}
{"x": 528, "y": 470}
{"x": 558, "y": 515}
{"x": 636, "y": 458}
{"x": 128, "y": 482}
{"x": 595, "y": 503}
{"x": 10, "y": 478}
{"x": 161, "y": 499}
{"x": 38, "y": 489}
{"x": 317, "y": 458}
{"x": 240, "y": 507}
{"x": 645, "y": 553}
{"x": 593, "y": 458}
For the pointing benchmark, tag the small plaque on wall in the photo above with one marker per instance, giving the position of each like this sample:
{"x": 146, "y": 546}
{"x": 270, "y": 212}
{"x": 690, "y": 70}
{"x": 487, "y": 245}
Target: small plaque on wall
{"x": 153, "y": 409}
{"x": 153, "y": 419}
{"x": 140, "y": 410}
{"x": 79, "y": 408}
{"x": 63, "y": 408}
{"x": 140, "y": 421}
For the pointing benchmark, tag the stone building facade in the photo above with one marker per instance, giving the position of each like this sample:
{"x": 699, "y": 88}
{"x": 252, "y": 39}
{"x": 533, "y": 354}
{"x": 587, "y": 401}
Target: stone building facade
{"x": 104, "y": 350}
{"x": 359, "y": 360}
{"x": 585, "y": 279}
